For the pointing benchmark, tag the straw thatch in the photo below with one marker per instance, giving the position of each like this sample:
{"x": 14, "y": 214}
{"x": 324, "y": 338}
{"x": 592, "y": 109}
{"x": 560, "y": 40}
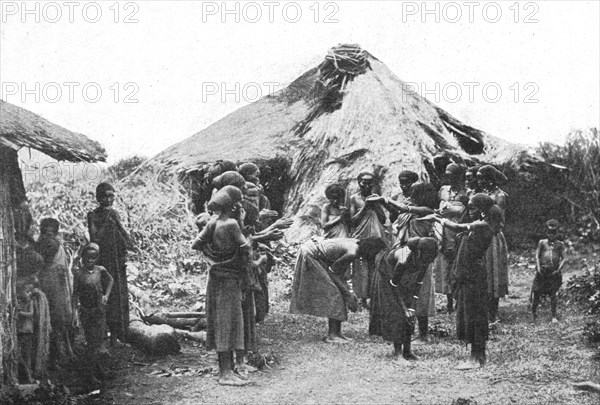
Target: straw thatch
{"x": 21, "y": 128}
{"x": 348, "y": 114}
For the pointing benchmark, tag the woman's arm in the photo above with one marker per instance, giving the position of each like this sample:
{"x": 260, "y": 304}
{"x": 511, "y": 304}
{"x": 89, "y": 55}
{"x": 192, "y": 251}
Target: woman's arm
{"x": 326, "y": 223}
{"x": 124, "y": 234}
{"x": 343, "y": 262}
{"x": 349, "y": 297}
{"x": 356, "y": 215}
{"x": 538, "y": 253}
{"x": 563, "y": 259}
{"x": 93, "y": 231}
{"x": 459, "y": 227}
{"x": 106, "y": 274}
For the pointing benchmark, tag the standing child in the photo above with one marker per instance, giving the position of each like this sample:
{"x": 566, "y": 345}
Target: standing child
{"x": 56, "y": 282}
{"x": 25, "y": 329}
{"x": 90, "y": 291}
{"x": 107, "y": 231}
{"x": 335, "y": 218}
{"x": 550, "y": 258}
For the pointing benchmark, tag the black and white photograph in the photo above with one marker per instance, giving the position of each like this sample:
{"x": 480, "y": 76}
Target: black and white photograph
{"x": 299, "y": 202}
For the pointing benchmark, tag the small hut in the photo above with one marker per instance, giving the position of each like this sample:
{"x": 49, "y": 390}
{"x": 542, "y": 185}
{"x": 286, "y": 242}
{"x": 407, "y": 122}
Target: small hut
{"x": 346, "y": 115}
{"x": 21, "y": 128}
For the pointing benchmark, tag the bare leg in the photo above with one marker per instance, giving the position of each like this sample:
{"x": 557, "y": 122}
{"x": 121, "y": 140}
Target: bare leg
{"x": 226, "y": 375}
{"x": 334, "y": 334}
{"x": 450, "y": 303}
{"x": 534, "y": 304}
{"x": 406, "y": 349}
{"x": 553, "y": 305}
{"x": 493, "y": 309}
{"x": 397, "y": 348}
{"x": 423, "y": 328}
{"x": 477, "y": 358}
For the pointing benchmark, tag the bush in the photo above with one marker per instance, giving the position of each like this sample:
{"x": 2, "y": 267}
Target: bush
{"x": 154, "y": 213}
{"x": 126, "y": 166}
{"x": 584, "y": 290}
{"x": 591, "y": 332}
{"x": 579, "y": 185}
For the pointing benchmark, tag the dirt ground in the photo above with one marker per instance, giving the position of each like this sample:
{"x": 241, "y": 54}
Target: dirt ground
{"x": 528, "y": 363}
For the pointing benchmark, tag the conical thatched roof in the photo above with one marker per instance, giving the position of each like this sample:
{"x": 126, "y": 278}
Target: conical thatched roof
{"x": 21, "y": 128}
{"x": 348, "y": 114}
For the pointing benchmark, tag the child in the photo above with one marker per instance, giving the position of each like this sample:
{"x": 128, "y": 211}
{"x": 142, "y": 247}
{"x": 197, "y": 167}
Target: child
{"x": 25, "y": 329}
{"x": 106, "y": 230}
{"x": 56, "y": 282}
{"x": 550, "y": 259}
{"x": 93, "y": 297}
{"x": 334, "y": 215}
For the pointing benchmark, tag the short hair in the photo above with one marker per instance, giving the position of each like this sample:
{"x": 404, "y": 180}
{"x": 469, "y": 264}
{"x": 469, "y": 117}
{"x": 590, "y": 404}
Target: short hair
{"x": 482, "y": 201}
{"x": 365, "y": 173}
{"x": 410, "y": 175}
{"x": 102, "y": 189}
{"x": 456, "y": 169}
{"x": 335, "y": 190}
{"x": 50, "y": 223}
{"x": 490, "y": 173}
{"x": 424, "y": 195}
{"x": 89, "y": 247}
{"x": 247, "y": 169}
{"x": 552, "y": 224}
{"x": 369, "y": 247}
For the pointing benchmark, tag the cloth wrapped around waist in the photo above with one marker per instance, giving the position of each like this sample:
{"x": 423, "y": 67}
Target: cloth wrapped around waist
{"x": 227, "y": 264}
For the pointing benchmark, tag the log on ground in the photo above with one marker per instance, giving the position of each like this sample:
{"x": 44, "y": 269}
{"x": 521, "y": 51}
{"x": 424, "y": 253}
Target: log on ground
{"x": 153, "y": 339}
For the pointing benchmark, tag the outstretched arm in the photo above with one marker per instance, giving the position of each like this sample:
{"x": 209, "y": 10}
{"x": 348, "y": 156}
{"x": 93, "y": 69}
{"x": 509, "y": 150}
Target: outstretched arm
{"x": 456, "y": 226}
{"x": 399, "y": 207}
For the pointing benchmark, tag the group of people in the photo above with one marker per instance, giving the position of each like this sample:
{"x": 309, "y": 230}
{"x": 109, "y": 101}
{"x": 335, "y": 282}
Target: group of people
{"x": 391, "y": 255}
{"x": 54, "y": 296}
{"x": 234, "y": 238}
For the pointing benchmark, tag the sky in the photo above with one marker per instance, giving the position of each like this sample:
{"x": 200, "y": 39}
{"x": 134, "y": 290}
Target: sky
{"x": 139, "y": 76}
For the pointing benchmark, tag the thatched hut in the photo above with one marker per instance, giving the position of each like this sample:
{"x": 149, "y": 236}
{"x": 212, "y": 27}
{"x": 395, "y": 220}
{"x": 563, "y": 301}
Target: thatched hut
{"x": 348, "y": 114}
{"x": 21, "y": 128}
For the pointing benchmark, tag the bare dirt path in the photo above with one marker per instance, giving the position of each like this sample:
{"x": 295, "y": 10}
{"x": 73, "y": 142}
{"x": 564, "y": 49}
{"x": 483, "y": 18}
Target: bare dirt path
{"x": 527, "y": 364}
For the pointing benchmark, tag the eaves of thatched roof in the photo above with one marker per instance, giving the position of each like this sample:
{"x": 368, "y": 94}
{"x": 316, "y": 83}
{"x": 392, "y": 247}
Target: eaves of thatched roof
{"x": 21, "y": 128}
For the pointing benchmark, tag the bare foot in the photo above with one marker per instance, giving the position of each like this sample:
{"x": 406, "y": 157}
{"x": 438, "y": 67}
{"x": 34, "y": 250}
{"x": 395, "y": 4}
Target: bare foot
{"x": 241, "y": 373}
{"x": 410, "y": 357}
{"x": 250, "y": 369}
{"x": 335, "y": 339}
{"x": 399, "y": 360}
{"x": 232, "y": 380}
{"x": 349, "y": 339}
{"x": 468, "y": 365}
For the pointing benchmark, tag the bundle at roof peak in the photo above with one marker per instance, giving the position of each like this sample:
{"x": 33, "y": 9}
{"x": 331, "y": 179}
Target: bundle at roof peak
{"x": 341, "y": 65}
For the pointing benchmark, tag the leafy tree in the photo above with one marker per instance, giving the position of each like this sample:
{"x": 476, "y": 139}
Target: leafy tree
{"x": 579, "y": 185}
